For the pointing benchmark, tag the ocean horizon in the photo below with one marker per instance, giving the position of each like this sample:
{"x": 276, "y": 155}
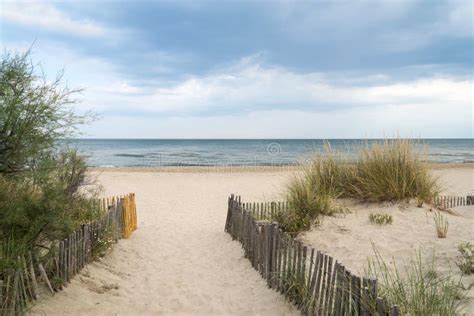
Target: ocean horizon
{"x": 107, "y": 152}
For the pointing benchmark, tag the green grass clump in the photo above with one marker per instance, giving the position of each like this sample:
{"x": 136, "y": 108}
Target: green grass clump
{"x": 391, "y": 171}
{"x": 420, "y": 290}
{"x": 296, "y": 290}
{"x": 465, "y": 260}
{"x": 441, "y": 224}
{"x": 306, "y": 203}
{"x": 380, "y": 218}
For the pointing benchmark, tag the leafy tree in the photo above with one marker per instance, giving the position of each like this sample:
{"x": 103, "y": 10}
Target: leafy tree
{"x": 41, "y": 181}
{"x": 34, "y": 114}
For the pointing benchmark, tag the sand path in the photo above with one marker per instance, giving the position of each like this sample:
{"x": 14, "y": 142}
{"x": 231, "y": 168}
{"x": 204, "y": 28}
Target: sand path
{"x": 179, "y": 261}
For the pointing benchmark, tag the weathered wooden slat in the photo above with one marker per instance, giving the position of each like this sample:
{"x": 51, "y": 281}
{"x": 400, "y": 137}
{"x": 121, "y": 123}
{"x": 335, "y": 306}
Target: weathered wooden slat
{"x": 310, "y": 270}
{"x": 332, "y": 290}
{"x": 14, "y": 298}
{"x": 381, "y": 306}
{"x": 313, "y": 288}
{"x": 276, "y": 256}
{"x": 395, "y": 310}
{"x": 2, "y": 299}
{"x": 355, "y": 293}
{"x": 327, "y": 297}
{"x": 317, "y": 290}
{"x": 323, "y": 284}
{"x": 294, "y": 252}
{"x": 35, "y": 289}
{"x": 365, "y": 298}
{"x": 284, "y": 268}
{"x": 298, "y": 261}
{"x": 344, "y": 291}
{"x": 45, "y": 278}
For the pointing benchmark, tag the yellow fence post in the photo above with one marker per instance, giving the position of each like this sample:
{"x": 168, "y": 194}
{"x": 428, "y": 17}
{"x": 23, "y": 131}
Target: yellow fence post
{"x": 129, "y": 211}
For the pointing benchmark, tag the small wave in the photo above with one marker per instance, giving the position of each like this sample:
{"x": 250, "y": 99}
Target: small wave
{"x": 451, "y": 155}
{"x": 130, "y": 155}
{"x": 185, "y": 155}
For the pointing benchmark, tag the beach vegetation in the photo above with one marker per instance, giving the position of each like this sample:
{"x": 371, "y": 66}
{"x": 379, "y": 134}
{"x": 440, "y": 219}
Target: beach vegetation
{"x": 419, "y": 289}
{"x": 296, "y": 289}
{"x": 103, "y": 244}
{"x": 390, "y": 170}
{"x": 35, "y": 114}
{"x": 441, "y": 224}
{"x": 44, "y": 190}
{"x": 465, "y": 259}
{"x": 306, "y": 203}
{"x": 380, "y": 218}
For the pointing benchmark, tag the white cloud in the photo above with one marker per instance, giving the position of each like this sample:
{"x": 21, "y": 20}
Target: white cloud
{"x": 277, "y": 103}
{"x": 46, "y": 15}
{"x": 247, "y": 99}
{"x": 249, "y": 87}
{"x": 376, "y": 122}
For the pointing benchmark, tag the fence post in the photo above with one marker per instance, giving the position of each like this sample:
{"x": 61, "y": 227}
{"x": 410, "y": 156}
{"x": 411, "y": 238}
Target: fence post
{"x": 395, "y": 310}
{"x": 229, "y": 211}
{"x": 381, "y": 306}
{"x": 470, "y": 200}
{"x": 1, "y": 294}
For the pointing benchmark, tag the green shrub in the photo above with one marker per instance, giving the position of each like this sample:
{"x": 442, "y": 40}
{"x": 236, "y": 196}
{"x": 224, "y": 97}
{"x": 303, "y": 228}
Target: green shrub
{"x": 380, "y": 218}
{"x": 419, "y": 290}
{"x": 441, "y": 224}
{"x": 36, "y": 215}
{"x": 465, "y": 260}
{"x": 42, "y": 195}
{"x": 104, "y": 243}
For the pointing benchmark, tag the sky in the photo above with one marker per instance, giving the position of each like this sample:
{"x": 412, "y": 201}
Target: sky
{"x": 256, "y": 69}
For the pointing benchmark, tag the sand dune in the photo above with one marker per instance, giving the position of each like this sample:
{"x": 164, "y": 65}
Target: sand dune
{"x": 180, "y": 261}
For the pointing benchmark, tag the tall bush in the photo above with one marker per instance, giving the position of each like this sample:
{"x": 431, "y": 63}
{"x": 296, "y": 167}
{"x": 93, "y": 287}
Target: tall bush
{"x": 42, "y": 194}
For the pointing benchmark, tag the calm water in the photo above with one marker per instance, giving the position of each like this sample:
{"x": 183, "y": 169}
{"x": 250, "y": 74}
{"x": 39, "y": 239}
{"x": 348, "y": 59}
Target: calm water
{"x": 167, "y": 152}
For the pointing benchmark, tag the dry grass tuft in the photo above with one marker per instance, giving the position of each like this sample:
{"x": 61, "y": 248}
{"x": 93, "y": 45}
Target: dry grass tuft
{"x": 391, "y": 170}
{"x": 380, "y": 218}
{"x": 441, "y": 224}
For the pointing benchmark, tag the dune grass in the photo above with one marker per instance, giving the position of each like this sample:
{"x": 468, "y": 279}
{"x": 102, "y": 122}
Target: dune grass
{"x": 441, "y": 224}
{"x": 418, "y": 290}
{"x": 380, "y": 218}
{"x": 391, "y": 170}
{"x": 307, "y": 203}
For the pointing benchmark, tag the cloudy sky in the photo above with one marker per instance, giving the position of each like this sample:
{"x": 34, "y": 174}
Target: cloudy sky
{"x": 257, "y": 69}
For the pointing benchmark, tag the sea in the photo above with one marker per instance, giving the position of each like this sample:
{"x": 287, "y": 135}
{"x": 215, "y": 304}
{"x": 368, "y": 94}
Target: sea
{"x": 244, "y": 152}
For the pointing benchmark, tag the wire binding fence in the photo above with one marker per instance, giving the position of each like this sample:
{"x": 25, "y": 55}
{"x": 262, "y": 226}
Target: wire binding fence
{"x": 67, "y": 257}
{"x": 314, "y": 281}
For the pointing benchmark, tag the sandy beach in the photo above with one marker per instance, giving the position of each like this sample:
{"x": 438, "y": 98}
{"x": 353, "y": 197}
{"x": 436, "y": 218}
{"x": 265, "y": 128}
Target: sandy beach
{"x": 180, "y": 261}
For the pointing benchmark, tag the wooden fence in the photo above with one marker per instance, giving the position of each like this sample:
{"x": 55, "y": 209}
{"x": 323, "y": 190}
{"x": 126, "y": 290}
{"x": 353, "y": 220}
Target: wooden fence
{"x": 446, "y": 202}
{"x": 66, "y": 257}
{"x": 129, "y": 215}
{"x": 315, "y": 282}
